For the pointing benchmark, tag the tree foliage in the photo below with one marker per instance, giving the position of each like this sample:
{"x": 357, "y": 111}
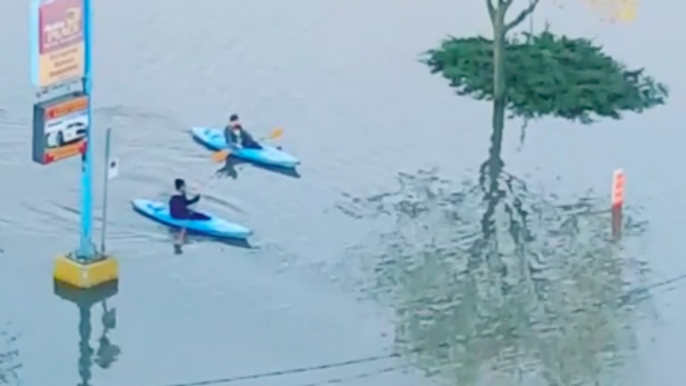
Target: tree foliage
{"x": 548, "y": 75}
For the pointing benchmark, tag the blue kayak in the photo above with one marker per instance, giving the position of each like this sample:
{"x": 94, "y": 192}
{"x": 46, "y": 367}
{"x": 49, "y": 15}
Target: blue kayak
{"x": 214, "y": 226}
{"x": 268, "y": 155}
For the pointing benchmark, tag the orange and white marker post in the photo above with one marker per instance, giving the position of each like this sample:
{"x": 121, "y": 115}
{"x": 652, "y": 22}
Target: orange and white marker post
{"x": 618, "y": 182}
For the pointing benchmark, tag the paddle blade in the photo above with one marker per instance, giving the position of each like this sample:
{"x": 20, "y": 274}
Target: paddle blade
{"x": 220, "y": 156}
{"x": 278, "y": 132}
{"x": 181, "y": 238}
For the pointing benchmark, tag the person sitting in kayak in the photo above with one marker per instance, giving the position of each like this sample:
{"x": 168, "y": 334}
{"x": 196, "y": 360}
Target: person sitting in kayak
{"x": 179, "y": 203}
{"x": 237, "y": 136}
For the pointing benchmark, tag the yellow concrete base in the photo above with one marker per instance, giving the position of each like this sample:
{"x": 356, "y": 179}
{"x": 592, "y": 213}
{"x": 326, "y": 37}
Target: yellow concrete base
{"x": 86, "y": 275}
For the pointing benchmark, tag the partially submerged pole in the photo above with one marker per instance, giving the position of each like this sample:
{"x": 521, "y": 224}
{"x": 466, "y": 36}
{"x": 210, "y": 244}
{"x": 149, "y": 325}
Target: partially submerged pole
{"x": 86, "y": 268}
{"x": 618, "y": 182}
{"x": 86, "y": 250}
{"x": 106, "y": 178}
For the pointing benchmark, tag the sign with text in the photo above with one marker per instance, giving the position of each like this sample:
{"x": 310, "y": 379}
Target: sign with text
{"x": 60, "y": 128}
{"x": 59, "y": 41}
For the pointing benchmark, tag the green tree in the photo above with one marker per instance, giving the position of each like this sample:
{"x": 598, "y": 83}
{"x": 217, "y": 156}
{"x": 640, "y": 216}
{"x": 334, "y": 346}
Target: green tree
{"x": 542, "y": 75}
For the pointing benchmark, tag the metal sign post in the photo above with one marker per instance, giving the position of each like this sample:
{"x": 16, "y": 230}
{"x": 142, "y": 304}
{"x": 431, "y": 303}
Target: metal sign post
{"x": 106, "y": 177}
{"x": 86, "y": 250}
{"x": 61, "y": 62}
{"x": 61, "y": 37}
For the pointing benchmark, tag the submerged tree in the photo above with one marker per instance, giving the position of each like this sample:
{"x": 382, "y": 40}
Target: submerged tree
{"x": 490, "y": 280}
{"x": 544, "y": 75}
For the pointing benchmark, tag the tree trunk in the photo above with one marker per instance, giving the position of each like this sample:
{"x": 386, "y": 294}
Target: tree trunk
{"x": 499, "y": 85}
{"x": 491, "y": 169}
{"x": 493, "y": 166}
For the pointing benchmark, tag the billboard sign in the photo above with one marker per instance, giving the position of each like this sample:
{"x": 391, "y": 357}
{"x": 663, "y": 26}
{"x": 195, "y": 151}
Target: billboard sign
{"x": 60, "y": 128}
{"x": 58, "y": 41}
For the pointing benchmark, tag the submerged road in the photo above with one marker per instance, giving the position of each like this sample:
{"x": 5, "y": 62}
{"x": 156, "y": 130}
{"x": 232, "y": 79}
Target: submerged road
{"x": 343, "y": 79}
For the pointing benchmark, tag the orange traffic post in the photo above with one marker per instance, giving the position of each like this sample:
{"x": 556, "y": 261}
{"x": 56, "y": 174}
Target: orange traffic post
{"x": 618, "y": 183}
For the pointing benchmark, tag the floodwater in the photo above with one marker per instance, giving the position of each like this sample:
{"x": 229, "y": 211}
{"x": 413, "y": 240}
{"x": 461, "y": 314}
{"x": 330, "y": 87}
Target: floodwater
{"x": 342, "y": 78}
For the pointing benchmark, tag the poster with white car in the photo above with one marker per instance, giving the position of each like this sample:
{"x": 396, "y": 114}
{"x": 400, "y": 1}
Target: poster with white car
{"x": 60, "y": 128}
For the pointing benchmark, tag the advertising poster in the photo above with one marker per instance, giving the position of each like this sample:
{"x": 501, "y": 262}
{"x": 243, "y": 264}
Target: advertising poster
{"x": 60, "y": 128}
{"x": 58, "y": 41}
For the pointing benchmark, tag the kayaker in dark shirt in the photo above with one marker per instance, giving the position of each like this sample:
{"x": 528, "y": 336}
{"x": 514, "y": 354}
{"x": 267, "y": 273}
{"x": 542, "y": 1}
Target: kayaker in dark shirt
{"x": 179, "y": 203}
{"x": 237, "y": 136}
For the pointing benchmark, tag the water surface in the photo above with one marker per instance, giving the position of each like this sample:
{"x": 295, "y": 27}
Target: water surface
{"x": 343, "y": 80}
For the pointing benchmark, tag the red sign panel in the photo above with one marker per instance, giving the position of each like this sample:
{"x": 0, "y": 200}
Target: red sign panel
{"x": 72, "y": 106}
{"x": 61, "y": 41}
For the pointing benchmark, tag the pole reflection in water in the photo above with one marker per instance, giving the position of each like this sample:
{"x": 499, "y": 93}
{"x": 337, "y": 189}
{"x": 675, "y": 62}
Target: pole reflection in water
{"x": 85, "y": 351}
{"x": 106, "y": 353}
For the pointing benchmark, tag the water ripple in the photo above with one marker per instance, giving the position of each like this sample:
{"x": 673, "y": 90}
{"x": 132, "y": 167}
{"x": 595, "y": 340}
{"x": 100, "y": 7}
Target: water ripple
{"x": 522, "y": 282}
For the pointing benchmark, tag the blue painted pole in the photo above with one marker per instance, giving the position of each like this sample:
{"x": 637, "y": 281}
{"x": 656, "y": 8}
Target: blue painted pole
{"x": 86, "y": 250}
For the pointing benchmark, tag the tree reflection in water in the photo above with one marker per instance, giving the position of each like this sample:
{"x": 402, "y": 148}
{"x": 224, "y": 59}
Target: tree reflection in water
{"x": 493, "y": 284}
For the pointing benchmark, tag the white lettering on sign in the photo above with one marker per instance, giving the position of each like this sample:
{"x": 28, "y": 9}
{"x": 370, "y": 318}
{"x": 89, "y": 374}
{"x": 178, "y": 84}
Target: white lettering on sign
{"x": 61, "y": 31}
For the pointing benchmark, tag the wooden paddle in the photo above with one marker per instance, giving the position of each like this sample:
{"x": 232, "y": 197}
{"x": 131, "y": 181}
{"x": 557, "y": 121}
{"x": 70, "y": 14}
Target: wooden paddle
{"x": 222, "y": 155}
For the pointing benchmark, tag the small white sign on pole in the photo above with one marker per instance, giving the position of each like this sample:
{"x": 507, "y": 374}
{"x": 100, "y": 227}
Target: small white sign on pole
{"x": 111, "y": 171}
{"x": 113, "y": 168}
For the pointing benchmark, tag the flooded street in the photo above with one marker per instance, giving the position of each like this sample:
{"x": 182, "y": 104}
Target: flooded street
{"x": 334, "y": 290}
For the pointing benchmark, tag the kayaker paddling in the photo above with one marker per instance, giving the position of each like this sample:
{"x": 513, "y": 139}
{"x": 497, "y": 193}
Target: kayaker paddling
{"x": 213, "y": 226}
{"x": 179, "y": 203}
{"x": 269, "y": 155}
{"x": 237, "y": 136}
